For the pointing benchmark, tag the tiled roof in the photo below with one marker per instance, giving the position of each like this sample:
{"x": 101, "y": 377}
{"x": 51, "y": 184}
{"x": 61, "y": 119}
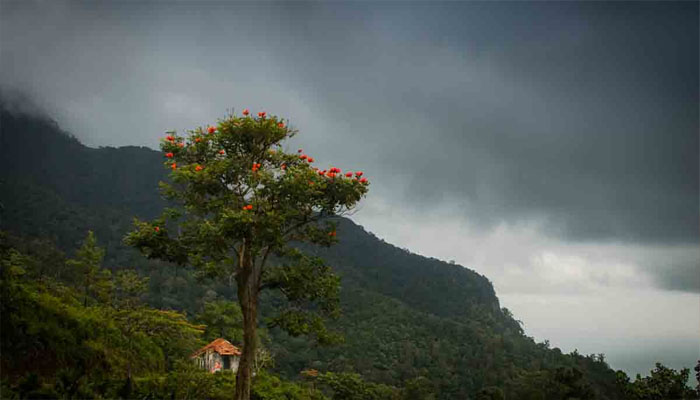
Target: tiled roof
{"x": 221, "y": 346}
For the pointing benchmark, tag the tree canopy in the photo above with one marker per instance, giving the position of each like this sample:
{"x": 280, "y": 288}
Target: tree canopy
{"x": 241, "y": 200}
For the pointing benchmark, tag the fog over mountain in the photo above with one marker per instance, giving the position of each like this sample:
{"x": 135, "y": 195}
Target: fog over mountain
{"x": 552, "y": 147}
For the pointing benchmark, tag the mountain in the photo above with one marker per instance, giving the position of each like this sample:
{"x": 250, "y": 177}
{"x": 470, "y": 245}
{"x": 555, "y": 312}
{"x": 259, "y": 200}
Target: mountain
{"x": 405, "y": 317}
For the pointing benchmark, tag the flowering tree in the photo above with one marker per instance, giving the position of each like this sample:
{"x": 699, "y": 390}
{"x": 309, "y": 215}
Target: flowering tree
{"x": 242, "y": 200}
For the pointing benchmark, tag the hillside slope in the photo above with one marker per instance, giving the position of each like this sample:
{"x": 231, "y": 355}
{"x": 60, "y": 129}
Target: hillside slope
{"x": 404, "y": 315}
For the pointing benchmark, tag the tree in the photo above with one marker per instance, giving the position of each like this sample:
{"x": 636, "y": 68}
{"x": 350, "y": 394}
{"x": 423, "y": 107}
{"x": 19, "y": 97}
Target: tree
{"x": 419, "y": 388}
{"x": 662, "y": 383}
{"x": 87, "y": 263}
{"x": 350, "y": 386}
{"x": 241, "y": 200}
{"x": 223, "y": 320}
{"x": 138, "y": 323}
{"x": 490, "y": 393}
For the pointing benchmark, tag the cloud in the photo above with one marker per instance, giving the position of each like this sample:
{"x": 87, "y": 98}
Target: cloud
{"x": 572, "y": 123}
{"x": 521, "y": 259}
{"x": 587, "y": 127}
{"x": 633, "y": 328}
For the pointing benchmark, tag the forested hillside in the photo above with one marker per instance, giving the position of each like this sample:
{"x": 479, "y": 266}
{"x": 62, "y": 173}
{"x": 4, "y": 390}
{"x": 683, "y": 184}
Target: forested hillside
{"x": 432, "y": 328}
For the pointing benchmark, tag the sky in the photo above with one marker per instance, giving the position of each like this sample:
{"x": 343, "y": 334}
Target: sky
{"x": 551, "y": 146}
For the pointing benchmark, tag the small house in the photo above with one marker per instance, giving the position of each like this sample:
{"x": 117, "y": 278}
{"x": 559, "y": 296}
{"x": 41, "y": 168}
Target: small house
{"x": 217, "y": 356}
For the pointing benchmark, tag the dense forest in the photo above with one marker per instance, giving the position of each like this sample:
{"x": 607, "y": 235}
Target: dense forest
{"x": 86, "y": 316}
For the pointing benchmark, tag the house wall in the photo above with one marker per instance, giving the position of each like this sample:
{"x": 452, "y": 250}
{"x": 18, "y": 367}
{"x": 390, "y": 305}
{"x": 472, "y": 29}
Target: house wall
{"x": 235, "y": 361}
{"x": 213, "y": 361}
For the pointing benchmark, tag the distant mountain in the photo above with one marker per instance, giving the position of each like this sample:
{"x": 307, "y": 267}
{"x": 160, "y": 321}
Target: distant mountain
{"x": 404, "y": 316}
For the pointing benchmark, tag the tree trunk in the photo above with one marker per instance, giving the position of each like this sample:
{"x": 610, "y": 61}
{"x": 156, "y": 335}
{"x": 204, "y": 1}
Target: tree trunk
{"x": 248, "y": 280}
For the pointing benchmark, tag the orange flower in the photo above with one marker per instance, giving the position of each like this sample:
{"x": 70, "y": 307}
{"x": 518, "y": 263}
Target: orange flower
{"x": 173, "y": 166}
{"x": 332, "y": 233}
{"x": 284, "y": 166}
{"x": 157, "y": 229}
{"x": 222, "y": 152}
{"x": 211, "y": 129}
{"x": 281, "y": 125}
{"x": 198, "y": 168}
{"x": 246, "y": 111}
{"x": 197, "y": 140}
{"x": 321, "y": 173}
{"x": 170, "y": 138}
{"x": 169, "y": 155}
{"x": 180, "y": 145}
{"x": 303, "y": 157}
{"x": 248, "y": 207}
{"x": 261, "y": 114}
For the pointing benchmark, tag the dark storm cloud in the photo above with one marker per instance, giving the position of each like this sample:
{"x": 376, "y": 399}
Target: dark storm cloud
{"x": 580, "y": 116}
{"x": 584, "y": 116}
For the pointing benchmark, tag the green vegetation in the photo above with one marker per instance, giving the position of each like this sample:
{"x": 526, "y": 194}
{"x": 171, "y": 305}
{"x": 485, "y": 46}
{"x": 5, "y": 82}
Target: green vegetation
{"x": 59, "y": 341}
{"x": 92, "y": 318}
{"x": 662, "y": 383}
{"x": 56, "y": 346}
{"x": 242, "y": 201}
